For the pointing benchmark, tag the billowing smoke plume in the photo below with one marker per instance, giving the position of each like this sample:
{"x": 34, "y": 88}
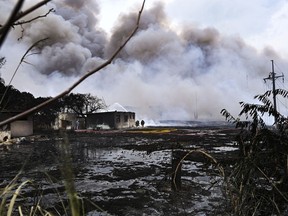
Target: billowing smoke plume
{"x": 162, "y": 73}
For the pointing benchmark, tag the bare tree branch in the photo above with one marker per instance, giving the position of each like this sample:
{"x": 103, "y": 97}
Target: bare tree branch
{"x": 5, "y": 29}
{"x": 16, "y": 15}
{"x": 35, "y": 18}
{"x": 81, "y": 79}
{"x": 31, "y": 20}
{"x": 31, "y": 9}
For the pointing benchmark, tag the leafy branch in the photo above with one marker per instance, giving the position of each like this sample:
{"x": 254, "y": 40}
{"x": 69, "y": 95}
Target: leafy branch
{"x": 257, "y": 183}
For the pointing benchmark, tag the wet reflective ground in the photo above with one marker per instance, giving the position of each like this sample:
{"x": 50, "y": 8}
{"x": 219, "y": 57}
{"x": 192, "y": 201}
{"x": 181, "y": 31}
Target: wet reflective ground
{"x": 122, "y": 172}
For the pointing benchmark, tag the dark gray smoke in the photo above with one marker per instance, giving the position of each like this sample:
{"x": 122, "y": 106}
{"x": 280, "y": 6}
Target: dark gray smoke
{"x": 126, "y": 22}
{"x": 162, "y": 73}
{"x": 73, "y": 37}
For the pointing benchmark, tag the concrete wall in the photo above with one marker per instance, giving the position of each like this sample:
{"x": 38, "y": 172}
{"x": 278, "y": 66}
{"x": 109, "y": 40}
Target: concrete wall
{"x": 124, "y": 120}
{"x": 105, "y": 120}
{"x": 113, "y": 120}
{"x": 18, "y": 128}
{"x": 65, "y": 121}
{"x": 21, "y": 128}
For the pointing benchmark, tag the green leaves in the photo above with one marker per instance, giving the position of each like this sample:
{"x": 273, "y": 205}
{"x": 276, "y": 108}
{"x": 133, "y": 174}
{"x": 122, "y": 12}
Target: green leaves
{"x": 263, "y": 157}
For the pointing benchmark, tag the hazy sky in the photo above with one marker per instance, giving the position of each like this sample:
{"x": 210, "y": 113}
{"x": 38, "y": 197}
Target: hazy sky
{"x": 259, "y": 22}
{"x": 188, "y": 57}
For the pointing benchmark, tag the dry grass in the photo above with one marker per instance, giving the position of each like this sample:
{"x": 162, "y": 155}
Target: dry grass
{"x": 152, "y": 130}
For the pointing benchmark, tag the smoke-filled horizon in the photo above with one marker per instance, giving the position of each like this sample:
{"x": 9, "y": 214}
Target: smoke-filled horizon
{"x": 162, "y": 73}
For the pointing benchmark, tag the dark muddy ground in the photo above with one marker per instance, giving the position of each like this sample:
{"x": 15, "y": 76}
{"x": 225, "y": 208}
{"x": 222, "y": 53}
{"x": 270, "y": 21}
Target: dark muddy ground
{"x": 124, "y": 172}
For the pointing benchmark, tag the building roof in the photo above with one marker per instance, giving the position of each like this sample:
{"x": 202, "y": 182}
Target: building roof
{"x": 114, "y": 107}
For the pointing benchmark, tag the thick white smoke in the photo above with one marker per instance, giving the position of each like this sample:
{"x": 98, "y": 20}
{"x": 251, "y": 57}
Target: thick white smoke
{"x": 162, "y": 73}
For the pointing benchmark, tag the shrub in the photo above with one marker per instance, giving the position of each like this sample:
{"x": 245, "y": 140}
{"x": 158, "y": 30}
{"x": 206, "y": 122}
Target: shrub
{"x": 257, "y": 183}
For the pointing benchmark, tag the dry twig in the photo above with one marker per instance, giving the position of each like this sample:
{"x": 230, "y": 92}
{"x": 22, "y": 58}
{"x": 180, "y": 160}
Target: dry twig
{"x": 22, "y": 60}
{"x": 196, "y": 151}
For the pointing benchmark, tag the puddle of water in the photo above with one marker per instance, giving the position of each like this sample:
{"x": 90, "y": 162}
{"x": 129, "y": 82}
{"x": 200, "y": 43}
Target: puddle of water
{"x": 225, "y": 148}
{"x": 121, "y": 181}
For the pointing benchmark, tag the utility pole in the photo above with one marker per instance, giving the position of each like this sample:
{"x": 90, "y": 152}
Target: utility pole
{"x": 272, "y": 76}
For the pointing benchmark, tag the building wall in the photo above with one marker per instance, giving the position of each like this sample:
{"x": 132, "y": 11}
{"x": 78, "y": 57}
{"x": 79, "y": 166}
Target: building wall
{"x": 21, "y": 128}
{"x": 18, "y": 128}
{"x": 114, "y": 120}
{"x": 69, "y": 121}
{"x": 98, "y": 120}
{"x": 124, "y": 120}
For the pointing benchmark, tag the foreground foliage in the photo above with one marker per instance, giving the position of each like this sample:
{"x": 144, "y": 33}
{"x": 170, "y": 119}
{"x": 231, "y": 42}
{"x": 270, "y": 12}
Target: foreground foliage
{"x": 257, "y": 184}
{"x": 27, "y": 196}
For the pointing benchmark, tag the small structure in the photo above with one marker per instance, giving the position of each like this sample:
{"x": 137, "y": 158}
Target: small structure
{"x": 115, "y": 117}
{"x": 69, "y": 121}
{"x": 18, "y": 128}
